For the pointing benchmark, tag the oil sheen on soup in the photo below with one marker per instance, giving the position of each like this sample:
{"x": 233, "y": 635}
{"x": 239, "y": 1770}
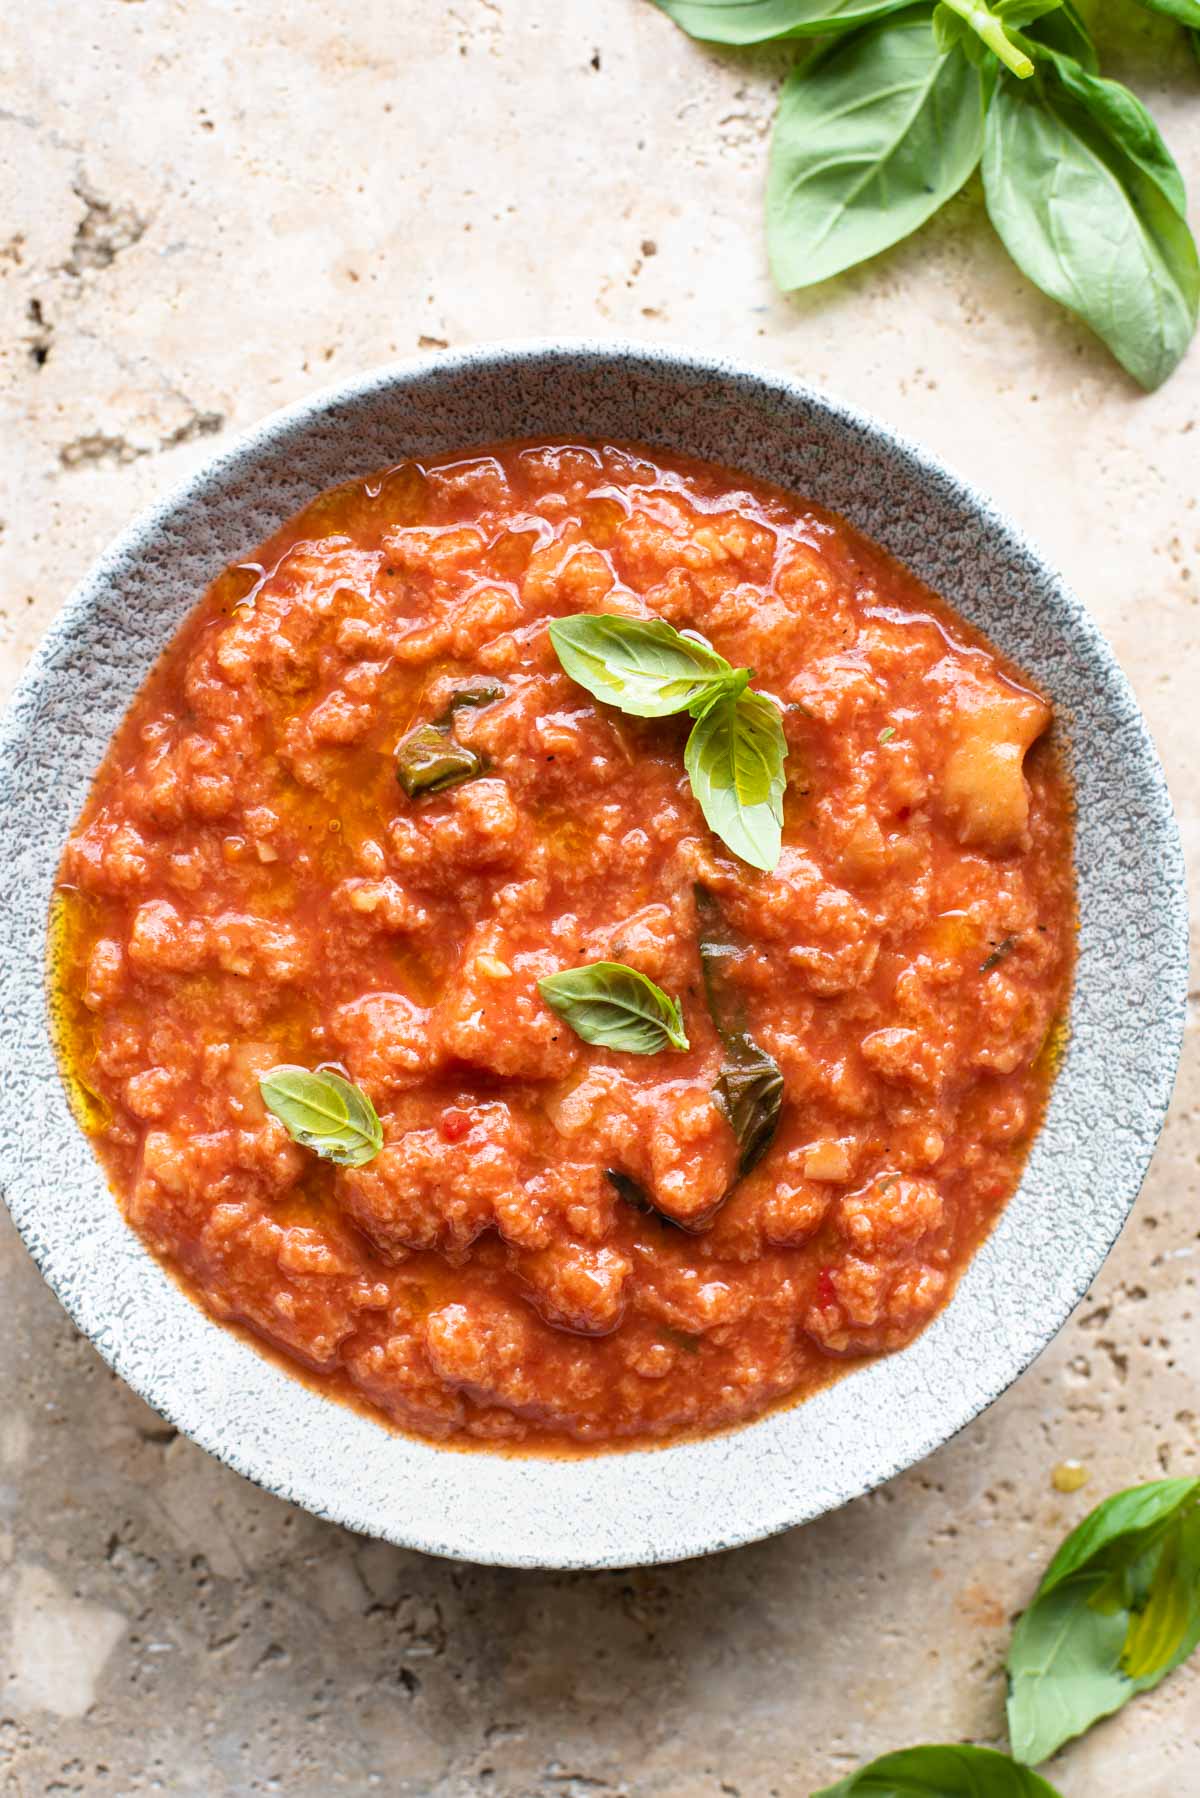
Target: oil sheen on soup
{"x": 562, "y": 1244}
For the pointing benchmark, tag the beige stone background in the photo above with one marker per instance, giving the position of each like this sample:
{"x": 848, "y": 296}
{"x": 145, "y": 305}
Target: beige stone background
{"x": 208, "y": 208}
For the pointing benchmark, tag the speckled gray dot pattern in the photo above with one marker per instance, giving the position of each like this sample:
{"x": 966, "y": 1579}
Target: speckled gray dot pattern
{"x": 1086, "y": 1166}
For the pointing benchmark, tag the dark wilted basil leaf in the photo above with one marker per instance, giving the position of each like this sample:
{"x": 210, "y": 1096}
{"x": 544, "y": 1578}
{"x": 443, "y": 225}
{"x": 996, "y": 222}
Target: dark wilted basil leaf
{"x": 323, "y": 1112}
{"x": 750, "y": 1087}
{"x": 1117, "y": 1609}
{"x": 934, "y": 1771}
{"x": 428, "y": 760}
{"x": 615, "y": 1007}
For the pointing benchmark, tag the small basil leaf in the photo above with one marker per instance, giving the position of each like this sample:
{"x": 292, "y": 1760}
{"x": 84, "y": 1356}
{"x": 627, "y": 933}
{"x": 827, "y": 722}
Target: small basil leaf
{"x": 750, "y": 1087}
{"x": 323, "y": 1112}
{"x": 642, "y": 665}
{"x": 1117, "y": 1608}
{"x": 933, "y": 1771}
{"x": 615, "y": 1007}
{"x": 871, "y": 138}
{"x": 428, "y": 760}
{"x": 734, "y": 760}
{"x": 1086, "y": 199}
{"x": 758, "y": 21}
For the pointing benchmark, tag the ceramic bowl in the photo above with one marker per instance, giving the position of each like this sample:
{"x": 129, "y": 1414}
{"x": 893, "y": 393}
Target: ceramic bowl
{"x": 1086, "y": 1166}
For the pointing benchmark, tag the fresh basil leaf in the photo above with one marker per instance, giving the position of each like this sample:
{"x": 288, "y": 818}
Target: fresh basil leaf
{"x": 642, "y": 665}
{"x": 1019, "y": 13}
{"x": 1186, "y": 11}
{"x": 1130, "y": 1515}
{"x": 934, "y": 1771}
{"x": 323, "y": 1112}
{"x": 734, "y": 759}
{"x": 871, "y": 138}
{"x": 615, "y": 1007}
{"x": 758, "y": 21}
{"x": 1117, "y": 1609}
{"x": 1078, "y": 192}
{"x": 749, "y": 1087}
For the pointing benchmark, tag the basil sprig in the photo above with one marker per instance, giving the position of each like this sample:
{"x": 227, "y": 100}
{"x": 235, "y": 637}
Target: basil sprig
{"x": 880, "y": 129}
{"x": 945, "y": 1770}
{"x": 736, "y": 752}
{"x": 616, "y": 1007}
{"x": 1117, "y": 1609}
{"x": 324, "y": 1112}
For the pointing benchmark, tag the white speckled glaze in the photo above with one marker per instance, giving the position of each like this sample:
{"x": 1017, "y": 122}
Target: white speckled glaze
{"x": 1086, "y": 1166}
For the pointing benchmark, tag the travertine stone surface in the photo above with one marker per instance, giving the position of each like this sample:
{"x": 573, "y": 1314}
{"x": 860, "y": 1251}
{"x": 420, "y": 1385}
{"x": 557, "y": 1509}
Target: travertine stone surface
{"x": 207, "y": 208}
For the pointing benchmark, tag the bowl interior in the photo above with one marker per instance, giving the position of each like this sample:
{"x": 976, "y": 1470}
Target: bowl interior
{"x": 1086, "y": 1166}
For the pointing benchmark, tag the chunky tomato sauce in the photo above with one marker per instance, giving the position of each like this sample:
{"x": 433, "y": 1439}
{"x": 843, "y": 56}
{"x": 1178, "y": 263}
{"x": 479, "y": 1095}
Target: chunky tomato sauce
{"x": 553, "y": 1246}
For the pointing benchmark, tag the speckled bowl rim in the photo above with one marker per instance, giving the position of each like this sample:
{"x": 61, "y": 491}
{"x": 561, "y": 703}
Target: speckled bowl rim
{"x": 691, "y": 1498}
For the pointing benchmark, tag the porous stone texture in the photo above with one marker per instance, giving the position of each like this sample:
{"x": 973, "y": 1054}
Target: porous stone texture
{"x": 205, "y": 211}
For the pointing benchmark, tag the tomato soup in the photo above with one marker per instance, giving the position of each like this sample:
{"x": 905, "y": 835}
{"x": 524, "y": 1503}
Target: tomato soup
{"x": 556, "y": 1242}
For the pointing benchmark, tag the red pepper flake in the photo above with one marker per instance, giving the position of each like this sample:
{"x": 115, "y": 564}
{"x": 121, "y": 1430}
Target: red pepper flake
{"x": 455, "y": 1123}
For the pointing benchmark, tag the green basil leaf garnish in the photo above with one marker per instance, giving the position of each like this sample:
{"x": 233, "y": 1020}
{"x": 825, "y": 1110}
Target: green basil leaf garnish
{"x": 749, "y": 1088}
{"x": 734, "y": 759}
{"x": 1063, "y": 30}
{"x": 934, "y": 1771}
{"x": 429, "y": 758}
{"x": 758, "y": 21}
{"x": 615, "y": 1007}
{"x": 1087, "y": 199}
{"x": 871, "y": 138}
{"x": 735, "y": 754}
{"x": 324, "y": 1112}
{"x": 1117, "y": 1609}
{"x": 642, "y": 665}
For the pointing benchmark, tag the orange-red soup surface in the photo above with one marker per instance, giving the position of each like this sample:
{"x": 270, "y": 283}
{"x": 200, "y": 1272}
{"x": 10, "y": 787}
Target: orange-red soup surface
{"x": 250, "y": 886}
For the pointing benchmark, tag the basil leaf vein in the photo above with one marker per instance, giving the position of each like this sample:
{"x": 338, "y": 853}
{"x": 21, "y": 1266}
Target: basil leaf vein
{"x": 1117, "y": 1609}
{"x": 942, "y": 1771}
{"x": 735, "y": 762}
{"x": 616, "y": 1007}
{"x": 871, "y": 138}
{"x": 1087, "y": 200}
{"x": 758, "y": 21}
{"x": 323, "y": 1112}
